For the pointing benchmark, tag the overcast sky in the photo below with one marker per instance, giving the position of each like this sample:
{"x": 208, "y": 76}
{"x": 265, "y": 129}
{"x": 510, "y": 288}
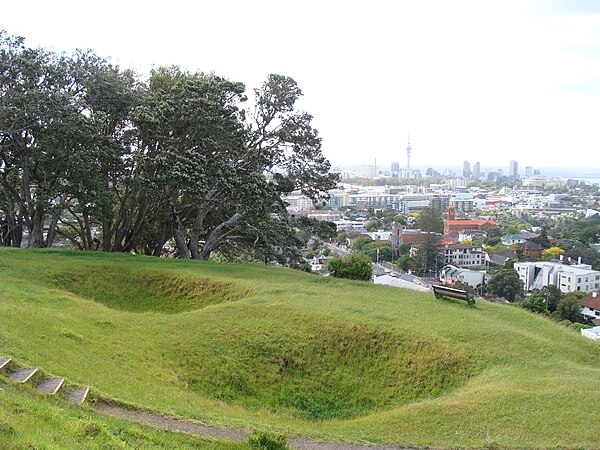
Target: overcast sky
{"x": 479, "y": 80}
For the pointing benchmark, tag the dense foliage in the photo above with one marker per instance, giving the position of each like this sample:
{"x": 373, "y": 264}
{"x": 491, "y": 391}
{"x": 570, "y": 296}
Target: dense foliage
{"x": 507, "y": 284}
{"x": 94, "y": 156}
{"x": 353, "y": 267}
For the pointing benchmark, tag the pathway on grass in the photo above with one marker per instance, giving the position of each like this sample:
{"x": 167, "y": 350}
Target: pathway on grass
{"x": 232, "y": 434}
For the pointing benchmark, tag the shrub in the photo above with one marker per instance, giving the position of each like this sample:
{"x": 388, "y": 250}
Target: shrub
{"x": 266, "y": 440}
{"x": 354, "y": 267}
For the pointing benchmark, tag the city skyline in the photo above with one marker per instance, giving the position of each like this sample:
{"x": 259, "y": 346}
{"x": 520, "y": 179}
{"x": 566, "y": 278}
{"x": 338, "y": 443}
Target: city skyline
{"x": 467, "y": 80}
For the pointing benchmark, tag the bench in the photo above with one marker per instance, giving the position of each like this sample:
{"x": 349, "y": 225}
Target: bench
{"x": 444, "y": 291}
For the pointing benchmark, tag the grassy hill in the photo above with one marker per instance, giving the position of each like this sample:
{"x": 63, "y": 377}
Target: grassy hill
{"x": 252, "y": 346}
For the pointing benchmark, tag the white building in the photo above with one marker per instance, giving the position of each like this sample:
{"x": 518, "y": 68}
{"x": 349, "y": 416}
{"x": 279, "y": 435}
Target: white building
{"x": 298, "y": 202}
{"x": 464, "y": 255}
{"x": 576, "y": 277}
{"x": 451, "y": 274}
{"x": 591, "y": 333}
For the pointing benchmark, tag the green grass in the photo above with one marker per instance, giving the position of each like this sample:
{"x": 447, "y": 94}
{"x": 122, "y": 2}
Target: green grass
{"x": 30, "y": 420}
{"x": 256, "y": 347}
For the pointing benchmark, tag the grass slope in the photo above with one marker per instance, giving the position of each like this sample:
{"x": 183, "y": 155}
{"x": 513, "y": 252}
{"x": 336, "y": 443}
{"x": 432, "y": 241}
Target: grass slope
{"x": 30, "y": 420}
{"x": 253, "y": 346}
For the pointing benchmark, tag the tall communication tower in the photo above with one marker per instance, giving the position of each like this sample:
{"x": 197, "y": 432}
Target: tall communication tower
{"x": 408, "y": 149}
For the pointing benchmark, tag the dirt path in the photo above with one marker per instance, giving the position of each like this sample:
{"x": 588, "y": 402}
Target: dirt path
{"x": 231, "y": 434}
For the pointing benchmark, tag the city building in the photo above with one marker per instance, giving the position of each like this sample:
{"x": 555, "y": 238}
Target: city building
{"x": 567, "y": 278}
{"x": 477, "y": 171}
{"x": 395, "y": 169}
{"x": 528, "y": 171}
{"x": 466, "y": 169}
{"x": 513, "y": 170}
{"x": 464, "y": 255}
{"x": 455, "y": 226}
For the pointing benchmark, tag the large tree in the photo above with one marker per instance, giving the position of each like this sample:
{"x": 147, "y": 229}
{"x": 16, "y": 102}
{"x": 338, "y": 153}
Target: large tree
{"x": 90, "y": 154}
{"x": 428, "y": 256}
{"x": 430, "y": 219}
{"x": 507, "y": 284}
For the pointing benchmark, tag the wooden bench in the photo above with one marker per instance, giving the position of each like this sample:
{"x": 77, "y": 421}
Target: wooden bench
{"x": 444, "y": 291}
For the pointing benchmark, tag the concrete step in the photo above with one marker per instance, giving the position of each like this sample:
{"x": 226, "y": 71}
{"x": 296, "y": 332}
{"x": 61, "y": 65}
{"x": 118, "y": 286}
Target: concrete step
{"x": 78, "y": 395}
{"x": 4, "y": 362}
{"x": 23, "y": 375}
{"x": 50, "y": 385}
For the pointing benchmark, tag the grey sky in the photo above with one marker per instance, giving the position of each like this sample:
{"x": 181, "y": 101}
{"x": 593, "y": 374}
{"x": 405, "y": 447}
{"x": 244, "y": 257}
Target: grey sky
{"x": 479, "y": 80}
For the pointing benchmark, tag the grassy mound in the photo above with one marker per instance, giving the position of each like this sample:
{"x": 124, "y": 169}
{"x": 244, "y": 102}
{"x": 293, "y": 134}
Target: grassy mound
{"x": 301, "y": 354}
{"x": 142, "y": 291}
{"x": 323, "y": 369}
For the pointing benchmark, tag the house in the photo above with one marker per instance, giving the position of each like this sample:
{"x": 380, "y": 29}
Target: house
{"x": 462, "y": 255}
{"x": 471, "y": 235}
{"x": 451, "y": 274}
{"x": 381, "y": 235}
{"x": 590, "y": 306}
{"x": 501, "y": 258}
{"x": 521, "y": 238}
{"x": 531, "y": 249}
{"x": 567, "y": 278}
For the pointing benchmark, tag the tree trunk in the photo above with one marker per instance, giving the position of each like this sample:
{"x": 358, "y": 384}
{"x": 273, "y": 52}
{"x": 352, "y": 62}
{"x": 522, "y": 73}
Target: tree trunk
{"x": 179, "y": 234}
{"x": 36, "y": 233}
{"x": 213, "y": 239}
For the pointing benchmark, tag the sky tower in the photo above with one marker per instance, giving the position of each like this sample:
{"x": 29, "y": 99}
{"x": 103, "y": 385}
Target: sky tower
{"x": 408, "y": 149}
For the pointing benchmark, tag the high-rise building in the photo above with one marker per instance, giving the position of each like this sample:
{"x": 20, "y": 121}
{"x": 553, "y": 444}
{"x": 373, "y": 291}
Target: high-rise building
{"x": 395, "y": 169}
{"x": 477, "y": 171}
{"x": 466, "y": 169}
{"x": 528, "y": 171}
{"x": 513, "y": 170}
{"x": 408, "y": 150}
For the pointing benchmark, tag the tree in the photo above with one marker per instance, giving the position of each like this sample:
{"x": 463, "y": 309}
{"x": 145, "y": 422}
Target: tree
{"x": 551, "y": 296}
{"x": 429, "y": 254}
{"x": 354, "y": 267}
{"x": 359, "y": 243}
{"x": 552, "y": 253}
{"x": 507, "y": 284}
{"x": 542, "y": 239}
{"x": 534, "y": 303}
{"x": 90, "y": 154}
{"x": 405, "y": 263}
{"x": 372, "y": 225}
{"x": 430, "y": 219}
{"x": 575, "y": 250}
{"x": 381, "y": 248}
{"x": 568, "y": 308}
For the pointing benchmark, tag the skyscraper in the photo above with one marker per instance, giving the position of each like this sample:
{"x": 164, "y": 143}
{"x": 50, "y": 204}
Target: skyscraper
{"x": 528, "y": 171}
{"x": 408, "y": 149}
{"x": 477, "y": 171}
{"x": 395, "y": 169}
{"x": 513, "y": 170}
{"x": 466, "y": 169}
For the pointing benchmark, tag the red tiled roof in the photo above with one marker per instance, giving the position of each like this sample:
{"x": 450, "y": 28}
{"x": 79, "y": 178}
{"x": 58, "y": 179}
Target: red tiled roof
{"x": 470, "y": 222}
{"x": 591, "y": 302}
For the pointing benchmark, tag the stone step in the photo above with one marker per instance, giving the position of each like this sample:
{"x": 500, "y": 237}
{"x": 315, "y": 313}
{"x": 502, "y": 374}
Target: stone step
{"x": 23, "y": 375}
{"x": 4, "y": 362}
{"x": 50, "y": 385}
{"x": 78, "y": 395}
